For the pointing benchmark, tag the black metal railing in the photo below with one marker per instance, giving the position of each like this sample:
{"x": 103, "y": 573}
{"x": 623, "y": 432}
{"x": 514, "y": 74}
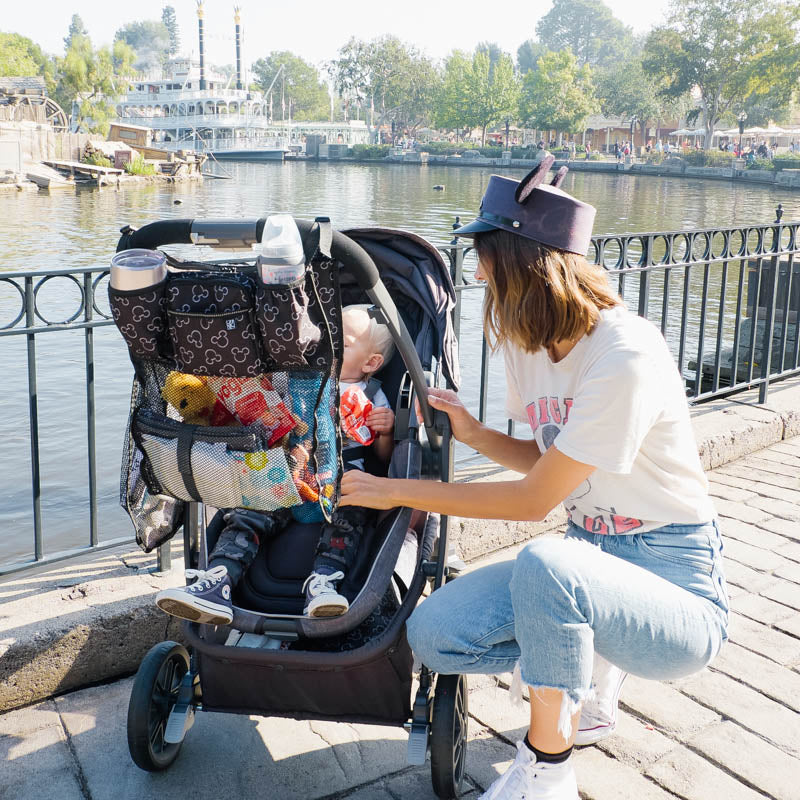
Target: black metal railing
{"x": 30, "y": 321}
{"x": 712, "y": 292}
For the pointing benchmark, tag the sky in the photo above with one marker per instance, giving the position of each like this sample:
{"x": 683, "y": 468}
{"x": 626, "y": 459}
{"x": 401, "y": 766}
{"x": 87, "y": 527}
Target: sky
{"x": 312, "y": 29}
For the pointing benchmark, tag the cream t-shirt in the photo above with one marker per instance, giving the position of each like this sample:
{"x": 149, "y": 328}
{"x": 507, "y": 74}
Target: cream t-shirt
{"x": 617, "y": 402}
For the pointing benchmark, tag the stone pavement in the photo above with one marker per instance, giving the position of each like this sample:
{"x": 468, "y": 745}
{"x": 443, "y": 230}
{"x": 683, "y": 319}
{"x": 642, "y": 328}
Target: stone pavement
{"x": 730, "y": 731}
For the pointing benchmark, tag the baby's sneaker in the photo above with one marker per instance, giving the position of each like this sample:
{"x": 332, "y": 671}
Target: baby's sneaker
{"x": 322, "y": 596}
{"x": 529, "y": 779}
{"x": 599, "y": 715}
{"x": 207, "y": 600}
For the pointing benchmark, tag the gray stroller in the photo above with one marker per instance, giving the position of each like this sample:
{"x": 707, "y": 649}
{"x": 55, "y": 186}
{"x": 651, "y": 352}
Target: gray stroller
{"x": 272, "y": 660}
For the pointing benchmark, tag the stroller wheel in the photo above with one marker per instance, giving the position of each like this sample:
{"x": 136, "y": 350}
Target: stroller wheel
{"x": 449, "y": 735}
{"x": 154, "y": 693}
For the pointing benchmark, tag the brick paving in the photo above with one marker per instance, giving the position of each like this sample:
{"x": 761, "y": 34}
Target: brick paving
{"x": 731, "y": 731}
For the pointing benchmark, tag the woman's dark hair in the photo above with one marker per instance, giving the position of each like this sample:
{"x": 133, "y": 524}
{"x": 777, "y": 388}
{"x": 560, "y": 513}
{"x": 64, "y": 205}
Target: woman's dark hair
{"x": 538, "y": 295}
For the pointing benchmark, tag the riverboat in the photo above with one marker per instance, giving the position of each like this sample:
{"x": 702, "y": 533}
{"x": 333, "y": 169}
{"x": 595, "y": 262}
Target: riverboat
{"x": 191, "y": 106}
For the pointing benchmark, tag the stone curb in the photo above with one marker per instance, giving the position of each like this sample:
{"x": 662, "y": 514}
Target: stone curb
{"x": 93, "y": 620}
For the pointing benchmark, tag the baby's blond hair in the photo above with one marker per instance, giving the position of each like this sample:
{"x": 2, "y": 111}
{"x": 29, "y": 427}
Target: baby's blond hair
{"x": 380, "y": 336}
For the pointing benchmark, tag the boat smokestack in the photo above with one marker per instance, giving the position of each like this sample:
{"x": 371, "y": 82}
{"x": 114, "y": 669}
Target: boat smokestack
{"x": 237, "y": 19}
{"x": 202, "y": 48}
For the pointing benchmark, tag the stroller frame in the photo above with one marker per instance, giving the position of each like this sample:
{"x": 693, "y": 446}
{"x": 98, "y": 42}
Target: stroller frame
{"x": 168, "y": 689}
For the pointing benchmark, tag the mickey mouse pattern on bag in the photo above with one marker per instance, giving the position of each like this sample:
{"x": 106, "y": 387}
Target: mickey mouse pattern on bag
{"x": 211, "y": 325}
{"x": 141, "y": 316}
{"x": 300, "y": 323}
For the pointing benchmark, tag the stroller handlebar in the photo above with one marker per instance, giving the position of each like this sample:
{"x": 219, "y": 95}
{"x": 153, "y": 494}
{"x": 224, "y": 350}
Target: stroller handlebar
{"x": 245, "y": 233}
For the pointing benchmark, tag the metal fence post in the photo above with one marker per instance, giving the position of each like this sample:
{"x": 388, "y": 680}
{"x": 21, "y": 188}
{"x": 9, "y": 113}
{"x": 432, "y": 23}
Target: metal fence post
{"x": 769, "y": 322}
{"x": 88, "y": 293}
{"x": 33, "y": 416}
{"x": 457, "y": 274}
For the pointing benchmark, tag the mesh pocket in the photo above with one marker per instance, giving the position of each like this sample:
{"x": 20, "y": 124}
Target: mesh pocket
{"x": 224, "y": 467}
{"x": 285, "y": 325}
{"x": 141, "y": 316}
{"x": 211, "y": 325}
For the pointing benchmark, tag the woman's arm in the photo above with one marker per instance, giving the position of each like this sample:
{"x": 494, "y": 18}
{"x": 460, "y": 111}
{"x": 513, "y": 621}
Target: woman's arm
{"x": 517, "y": 454}
{"x": 551, "y": 479}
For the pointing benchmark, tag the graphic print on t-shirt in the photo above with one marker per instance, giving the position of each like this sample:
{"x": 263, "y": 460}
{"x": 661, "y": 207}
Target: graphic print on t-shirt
{"x": 547, "y": 415}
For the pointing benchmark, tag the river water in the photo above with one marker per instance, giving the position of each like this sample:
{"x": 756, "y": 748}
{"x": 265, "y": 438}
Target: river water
{"x": 76, "y": 229}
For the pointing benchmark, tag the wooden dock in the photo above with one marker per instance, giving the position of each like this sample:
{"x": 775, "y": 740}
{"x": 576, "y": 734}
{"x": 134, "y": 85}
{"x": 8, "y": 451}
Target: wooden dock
{"x": 80, "y": 168}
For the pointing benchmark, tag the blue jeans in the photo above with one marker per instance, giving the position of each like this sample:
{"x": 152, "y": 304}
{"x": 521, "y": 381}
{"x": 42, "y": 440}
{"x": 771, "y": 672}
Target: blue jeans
{"x": 654, "y": 604}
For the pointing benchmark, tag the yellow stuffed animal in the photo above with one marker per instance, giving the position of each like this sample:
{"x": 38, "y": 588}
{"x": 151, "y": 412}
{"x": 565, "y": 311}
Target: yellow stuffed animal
{"x": 191, "y": 397}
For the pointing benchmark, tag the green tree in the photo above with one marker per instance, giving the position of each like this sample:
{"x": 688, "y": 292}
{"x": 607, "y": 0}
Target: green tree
{"x": 76, "y": 28}
{"x": 390, "y": 78}
{"x": 452, "y": 108}
{"x": 625, "y": 90}
{"x": 528, "y": 53}
{"x": 476, "y": 93}
{"x": 306, "y": 95}
{"x": 20, "y": 56}
{"x": 727, "y": 50}
{"x": 350, "y": 73}
{"x": 170, "y": 22}
{"x": 151, "y": 41}
{"x": 588, "y": 28}
{"x": 558, "y": 95}
{"x": 493, "y": 92}
{"x": 89, "y": 81}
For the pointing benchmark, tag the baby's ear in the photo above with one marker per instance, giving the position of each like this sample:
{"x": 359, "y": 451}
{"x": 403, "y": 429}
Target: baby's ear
{"x": 373, "y": 363}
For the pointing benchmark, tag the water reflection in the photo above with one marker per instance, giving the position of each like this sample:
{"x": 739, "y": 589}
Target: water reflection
{"x": 63, "y": 230}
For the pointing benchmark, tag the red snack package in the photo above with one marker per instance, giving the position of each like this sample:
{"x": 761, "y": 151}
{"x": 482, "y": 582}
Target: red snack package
{"x": 354, "y": 408}
{"x": 255, "y": 401}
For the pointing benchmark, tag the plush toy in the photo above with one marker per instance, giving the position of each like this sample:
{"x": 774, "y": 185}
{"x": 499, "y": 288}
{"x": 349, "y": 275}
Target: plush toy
{"x": 192, "y": 398}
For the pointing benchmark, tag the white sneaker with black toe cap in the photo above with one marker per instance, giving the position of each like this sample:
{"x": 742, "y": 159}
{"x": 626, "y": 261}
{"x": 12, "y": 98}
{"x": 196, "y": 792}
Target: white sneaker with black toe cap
{"x": 529, "y": 779}
{"x": 207, "y": 600}
{"x": 599, "y": 715}
{"x": 322, "y": 597}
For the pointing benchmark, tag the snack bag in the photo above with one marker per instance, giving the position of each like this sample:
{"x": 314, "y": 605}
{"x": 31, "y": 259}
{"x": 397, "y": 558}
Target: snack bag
{"x": 254, "y": 401}
{"x": 354, "y": 408}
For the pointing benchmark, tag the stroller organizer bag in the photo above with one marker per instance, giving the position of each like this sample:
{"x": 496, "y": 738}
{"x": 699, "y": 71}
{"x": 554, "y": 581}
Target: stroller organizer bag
{"x": 235, "y": 396}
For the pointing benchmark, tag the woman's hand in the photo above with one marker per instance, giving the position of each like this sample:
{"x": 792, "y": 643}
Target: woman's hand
{"x": 462, "y": 423}
{"x": 362, "y": 489}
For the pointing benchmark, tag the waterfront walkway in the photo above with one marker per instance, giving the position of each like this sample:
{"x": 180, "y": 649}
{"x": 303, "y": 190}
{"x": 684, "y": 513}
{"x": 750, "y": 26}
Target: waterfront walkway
{"x": 731, "y": 731}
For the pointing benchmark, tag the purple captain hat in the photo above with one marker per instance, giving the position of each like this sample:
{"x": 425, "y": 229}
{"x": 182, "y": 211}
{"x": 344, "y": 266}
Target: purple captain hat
{"x": 536, "y": 210}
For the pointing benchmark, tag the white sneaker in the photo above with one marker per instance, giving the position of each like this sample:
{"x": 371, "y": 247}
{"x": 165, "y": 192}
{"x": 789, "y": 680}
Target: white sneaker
{"x": 322, "y": 598}
{"x": 599, "y": 715}
{"x": 527, "y": 779}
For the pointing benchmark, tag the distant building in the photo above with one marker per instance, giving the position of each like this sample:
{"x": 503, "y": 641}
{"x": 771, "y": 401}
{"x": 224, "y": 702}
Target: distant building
{"x": 24, "y": 99}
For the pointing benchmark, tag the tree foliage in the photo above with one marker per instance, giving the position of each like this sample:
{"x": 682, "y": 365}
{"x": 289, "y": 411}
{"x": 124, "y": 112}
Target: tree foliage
{"x": 20, "y": 56}
{"x": 151, "y": 41}
{"x": 170, "y": 22}
{"x": 304, "y": 93}
{"x": 76, "y": 28}
{"x": 558, "y": 94}
{"x": 392, "y": 79}
{"x": 475, "y": 92}
{"x": 728, "y": 51}
{"x": 90, "y": 79}
{"x": 588, "y": 29}
{"x": 528, "y": 53}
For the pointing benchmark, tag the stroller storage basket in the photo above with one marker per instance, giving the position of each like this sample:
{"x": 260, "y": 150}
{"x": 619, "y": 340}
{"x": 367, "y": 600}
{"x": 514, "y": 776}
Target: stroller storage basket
{"x": 208, "y": 423}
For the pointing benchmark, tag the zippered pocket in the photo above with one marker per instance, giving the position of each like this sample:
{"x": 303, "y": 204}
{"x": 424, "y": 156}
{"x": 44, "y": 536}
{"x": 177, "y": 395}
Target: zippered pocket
{"x": 211, "y": 326}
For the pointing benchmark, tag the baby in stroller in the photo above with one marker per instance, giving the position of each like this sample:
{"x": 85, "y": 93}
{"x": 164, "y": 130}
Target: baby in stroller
{"x": 368, "y": 345}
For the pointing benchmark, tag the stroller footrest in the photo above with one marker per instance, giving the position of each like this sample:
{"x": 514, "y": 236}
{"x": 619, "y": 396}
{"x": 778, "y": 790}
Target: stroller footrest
{"x": 181, "y": 718}
{"x": 418, "y": 743}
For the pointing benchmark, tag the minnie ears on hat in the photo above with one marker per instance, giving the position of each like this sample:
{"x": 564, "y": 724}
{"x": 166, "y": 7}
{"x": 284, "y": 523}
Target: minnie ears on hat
{"x": 536, "y": 176}
{"x": 534, "y": 209}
